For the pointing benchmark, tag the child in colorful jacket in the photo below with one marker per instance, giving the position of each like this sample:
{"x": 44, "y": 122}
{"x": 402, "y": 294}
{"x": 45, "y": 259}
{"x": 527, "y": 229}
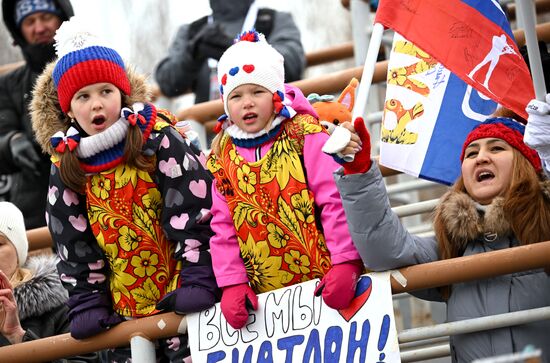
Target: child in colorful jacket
{"x": 277, "y": 216}
{"x": 129, "y": 200}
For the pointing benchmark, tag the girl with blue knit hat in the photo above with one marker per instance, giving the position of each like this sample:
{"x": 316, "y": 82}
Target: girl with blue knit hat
{"x": 277, "y": 216}
{"x": 129, "y": 200}
{"x": 500, "y": 200}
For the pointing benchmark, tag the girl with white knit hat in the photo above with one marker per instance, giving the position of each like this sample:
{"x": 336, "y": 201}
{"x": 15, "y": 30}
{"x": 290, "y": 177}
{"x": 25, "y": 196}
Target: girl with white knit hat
{"x": 129, "y": 200}
{"x": 277, "y": 216}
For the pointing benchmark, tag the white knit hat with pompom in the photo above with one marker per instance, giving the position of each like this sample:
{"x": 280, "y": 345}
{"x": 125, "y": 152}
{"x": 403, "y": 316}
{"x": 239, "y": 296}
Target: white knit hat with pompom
{"x": 12, "y": 225}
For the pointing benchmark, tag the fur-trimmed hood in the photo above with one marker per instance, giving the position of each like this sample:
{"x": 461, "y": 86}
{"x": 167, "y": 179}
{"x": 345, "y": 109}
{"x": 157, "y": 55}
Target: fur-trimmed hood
{"x": 467, "y": 220}
{"x": 46, "y": 115}
{"x": 43, "y": 292}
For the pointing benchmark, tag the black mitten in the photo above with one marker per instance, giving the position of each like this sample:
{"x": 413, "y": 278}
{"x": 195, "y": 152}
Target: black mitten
{"x": 23, "y": 153}
{"x": 212, "y": 42}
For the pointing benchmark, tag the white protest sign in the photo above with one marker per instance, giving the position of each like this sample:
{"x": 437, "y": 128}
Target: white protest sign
{"x": 292, "y": 325}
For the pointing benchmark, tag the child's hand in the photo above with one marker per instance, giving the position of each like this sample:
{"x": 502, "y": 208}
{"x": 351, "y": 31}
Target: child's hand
{"x": 187, "y": 299}
{"x": 10, "y": 326}
{"x": 236, "y": 300}
{"x": 338, "y": 286}
{"x": 362, "y": 161}
{"x": 343, "y": 144}
{"x": 87, "y": 323}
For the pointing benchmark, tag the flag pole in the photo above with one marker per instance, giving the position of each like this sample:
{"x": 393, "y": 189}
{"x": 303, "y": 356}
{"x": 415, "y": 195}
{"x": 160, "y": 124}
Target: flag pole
{"x": 368, "y": 71}
{"x": 526, "y": 14}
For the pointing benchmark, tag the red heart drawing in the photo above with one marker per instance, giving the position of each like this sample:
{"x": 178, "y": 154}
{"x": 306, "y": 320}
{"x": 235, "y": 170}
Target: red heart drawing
{"x": 362, "y": 293}
{"x": 224, "y": 79}
{"x": 248, "y": 68}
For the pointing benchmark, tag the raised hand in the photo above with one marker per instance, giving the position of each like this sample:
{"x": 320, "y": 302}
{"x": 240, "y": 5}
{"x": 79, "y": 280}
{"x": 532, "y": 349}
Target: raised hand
{"x": 362, "y": 161}
{"x": 10, "y": 326}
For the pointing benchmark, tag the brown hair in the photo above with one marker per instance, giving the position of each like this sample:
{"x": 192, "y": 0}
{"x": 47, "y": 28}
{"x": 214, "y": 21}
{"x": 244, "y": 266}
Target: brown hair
{"x": 216, "y": 144}
{"x": 74, "y": 177}
{"x": 525, "y": 207}
{"x": 505, "y": 112}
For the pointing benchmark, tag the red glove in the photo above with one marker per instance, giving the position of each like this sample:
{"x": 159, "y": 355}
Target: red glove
{"x": 236, "y": 300}
{"x": 338, "y": 285}
{"x": 362, "y": 161}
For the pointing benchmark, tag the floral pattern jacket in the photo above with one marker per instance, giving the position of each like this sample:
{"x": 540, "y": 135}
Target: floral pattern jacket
{"x": 134, "y": 234}
{"x": 277, "y": 216}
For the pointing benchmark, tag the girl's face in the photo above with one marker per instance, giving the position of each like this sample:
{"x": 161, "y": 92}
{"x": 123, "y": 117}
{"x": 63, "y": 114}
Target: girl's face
{"x": 96, "y": 107}
{"x": 487, "y": 168}
{"x": 8, "y": 256}
{"x": 251, "y": 107}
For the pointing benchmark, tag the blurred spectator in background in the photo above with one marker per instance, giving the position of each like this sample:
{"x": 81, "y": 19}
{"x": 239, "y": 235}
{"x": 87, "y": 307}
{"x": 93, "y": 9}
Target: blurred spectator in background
{"x": 32, "y": 24}
{"x": 545, "y": 61}
{"x": 190, "y": 65}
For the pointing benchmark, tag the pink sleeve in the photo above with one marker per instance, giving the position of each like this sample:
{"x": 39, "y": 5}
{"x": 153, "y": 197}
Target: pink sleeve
{"x": 226, "y": 257}
{"x": 319, "y": 167}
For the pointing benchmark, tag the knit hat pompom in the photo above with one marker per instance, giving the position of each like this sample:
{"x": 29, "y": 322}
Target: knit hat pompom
{"x": 508, "y": 130}
{"x": 84, "y": 59}
{"x": 250, "y": 60}
{"x": 12, "y": 225}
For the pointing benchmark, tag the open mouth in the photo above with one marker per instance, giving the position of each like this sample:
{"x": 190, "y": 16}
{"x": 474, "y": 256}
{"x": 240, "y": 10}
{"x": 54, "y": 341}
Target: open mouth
{"x": 250, "y": 118}
{"x": 98, "y": 120}
{"x": 484, "y": 175}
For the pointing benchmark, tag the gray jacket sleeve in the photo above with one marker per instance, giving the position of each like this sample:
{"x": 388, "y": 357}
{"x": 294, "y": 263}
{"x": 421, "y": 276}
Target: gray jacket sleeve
{"x": 381, "y": 239}
{"x": 176, "y": 73}
{"x": 285, "y": 38}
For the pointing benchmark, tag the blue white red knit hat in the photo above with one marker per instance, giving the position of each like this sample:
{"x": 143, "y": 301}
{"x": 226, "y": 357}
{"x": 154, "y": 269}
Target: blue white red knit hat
{"x": 12, "y": 225}
{"x": 24, "y": 8}
{"x": 508, "y": 130}
{"x": 251, "y": 60}
{"x": 84, "y": 59}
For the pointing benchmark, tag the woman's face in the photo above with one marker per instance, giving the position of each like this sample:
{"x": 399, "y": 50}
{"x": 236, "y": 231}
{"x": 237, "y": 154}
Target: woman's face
{"x": 96, "y": 107}
{"x": 487, "y": 168}
{"x": 8, "y": 256}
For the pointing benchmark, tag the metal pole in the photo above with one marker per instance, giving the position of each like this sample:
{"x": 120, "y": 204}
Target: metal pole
{"x": 426, "y": 353}
{"x": 143, "y": 350}
{"x": 368, "y": 70}
{"x": 475, "y": 325}
{"x": 527, "y": 16}
{"x": 423, "y": 343}
{"x": 63, "y": 345}
{"x": 475, "y": 267}
{"x": 416, "y": 208}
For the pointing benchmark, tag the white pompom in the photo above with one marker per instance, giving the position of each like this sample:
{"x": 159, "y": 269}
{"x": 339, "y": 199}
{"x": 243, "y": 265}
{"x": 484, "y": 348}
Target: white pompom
{"x": 75, "y": 34}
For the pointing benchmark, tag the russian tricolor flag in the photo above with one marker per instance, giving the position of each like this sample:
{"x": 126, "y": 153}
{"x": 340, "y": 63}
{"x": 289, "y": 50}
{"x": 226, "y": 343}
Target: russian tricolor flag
{"x": 451, "y": 62}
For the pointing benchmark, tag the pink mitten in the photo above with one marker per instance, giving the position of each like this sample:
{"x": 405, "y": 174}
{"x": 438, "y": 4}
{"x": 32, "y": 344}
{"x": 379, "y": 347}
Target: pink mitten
{"x": 362, "y": 161}
{"x": 338, "y": 285}
{"x": 236, "y": 300}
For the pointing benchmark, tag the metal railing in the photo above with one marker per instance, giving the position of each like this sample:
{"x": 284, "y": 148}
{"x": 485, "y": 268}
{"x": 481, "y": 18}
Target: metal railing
{"x": 429, "y": 275}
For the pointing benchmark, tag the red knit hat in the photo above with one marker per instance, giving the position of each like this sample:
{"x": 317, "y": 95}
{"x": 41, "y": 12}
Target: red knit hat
{"x": 508, "y": 130}
{"x": 84, "y": 60}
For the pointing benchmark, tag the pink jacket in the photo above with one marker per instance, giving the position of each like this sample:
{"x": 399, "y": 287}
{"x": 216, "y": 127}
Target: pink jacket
{"x": 224, "y": 247}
